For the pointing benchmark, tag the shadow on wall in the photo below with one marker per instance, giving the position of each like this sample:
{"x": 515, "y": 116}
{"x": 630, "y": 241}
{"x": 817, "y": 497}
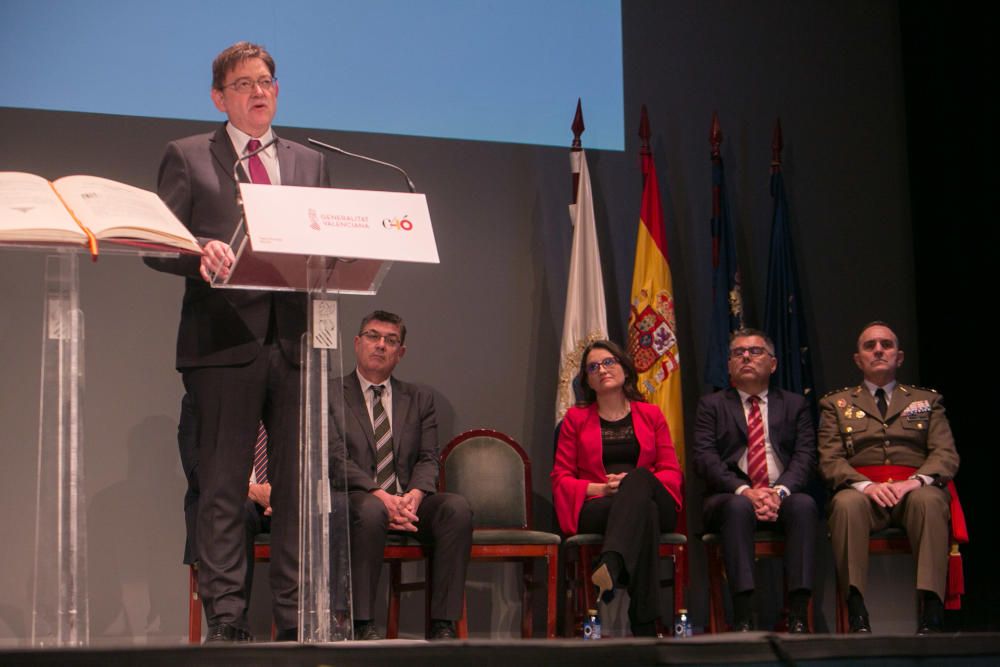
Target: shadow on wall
{"x": 131, "y": 596}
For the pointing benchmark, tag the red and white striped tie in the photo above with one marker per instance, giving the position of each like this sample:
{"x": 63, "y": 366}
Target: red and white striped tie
{"x": 756, "y": 456}
{"x": 260, "y": 455}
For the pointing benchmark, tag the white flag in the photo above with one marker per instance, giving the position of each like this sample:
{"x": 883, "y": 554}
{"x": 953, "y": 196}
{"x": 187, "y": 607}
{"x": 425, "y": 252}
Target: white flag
{"x": 586, "y": 319}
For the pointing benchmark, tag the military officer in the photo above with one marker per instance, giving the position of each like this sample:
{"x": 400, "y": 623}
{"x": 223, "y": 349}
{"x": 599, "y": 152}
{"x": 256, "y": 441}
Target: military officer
{"x": 888, "y": 454}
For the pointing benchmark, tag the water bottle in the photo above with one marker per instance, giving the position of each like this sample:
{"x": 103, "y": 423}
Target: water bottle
{"x": 682, "y": 624}
{"x": 591, "y": 625}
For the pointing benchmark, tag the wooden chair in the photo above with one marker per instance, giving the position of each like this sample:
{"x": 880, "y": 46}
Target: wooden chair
{"x": 401, "y": 549}
{"x": 261, "y": 554}
{"x": 766, "y": 544}
{"x": 579, "y": 590}
{"x": 493, "y": 473}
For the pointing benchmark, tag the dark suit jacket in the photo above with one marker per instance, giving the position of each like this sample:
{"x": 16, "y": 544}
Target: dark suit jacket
{"x": 414, "y": 435}
{"x": 222, "y": 327}
{"x": 720, "y": 439}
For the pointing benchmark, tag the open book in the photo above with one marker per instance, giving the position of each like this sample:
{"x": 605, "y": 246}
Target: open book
{"x": 85, "y": 210}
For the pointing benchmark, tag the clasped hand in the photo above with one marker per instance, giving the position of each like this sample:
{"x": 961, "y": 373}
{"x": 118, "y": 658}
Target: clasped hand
{"x": 888, "y": 494}
{"x": 614, "y": 481}
{"x": 402, "y": 509}
{"x": 765, "y": 502}
{"x": 261, "y": 494}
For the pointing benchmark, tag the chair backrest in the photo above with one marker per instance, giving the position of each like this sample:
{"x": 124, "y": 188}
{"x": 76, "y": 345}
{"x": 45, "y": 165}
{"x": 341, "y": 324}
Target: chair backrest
{"x": 493, "y": 473}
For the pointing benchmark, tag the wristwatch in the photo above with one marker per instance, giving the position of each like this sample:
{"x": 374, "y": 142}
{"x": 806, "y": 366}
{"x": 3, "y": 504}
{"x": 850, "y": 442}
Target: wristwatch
{"x": 782, "y": 493}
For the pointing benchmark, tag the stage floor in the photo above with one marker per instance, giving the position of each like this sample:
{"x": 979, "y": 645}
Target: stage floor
{"x": 952, "y": 650}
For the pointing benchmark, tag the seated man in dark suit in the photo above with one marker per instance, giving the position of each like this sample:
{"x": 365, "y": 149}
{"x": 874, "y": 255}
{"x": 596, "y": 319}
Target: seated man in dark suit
{"x": 755, "y": 447}
{"x": 390, "y": 434}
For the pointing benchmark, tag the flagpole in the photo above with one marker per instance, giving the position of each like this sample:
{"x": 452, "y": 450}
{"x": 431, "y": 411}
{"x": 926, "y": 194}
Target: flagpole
{"x": 585, "y": 318}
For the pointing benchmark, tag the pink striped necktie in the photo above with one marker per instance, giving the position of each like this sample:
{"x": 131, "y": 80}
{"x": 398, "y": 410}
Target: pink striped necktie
{"x": 260, "y": 455}
{"x": 756, "y": 456}
{"x": 258, "y": 174}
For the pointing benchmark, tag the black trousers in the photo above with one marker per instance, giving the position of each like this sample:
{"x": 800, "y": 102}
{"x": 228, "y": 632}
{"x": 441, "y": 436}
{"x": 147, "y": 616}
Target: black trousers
{"x": 732, "y": 516}
{"x": 632, "y": 521}
{"x": 255, "y": 521}
{"x": 445, "y": 523}
{"x": 229, "y": 402}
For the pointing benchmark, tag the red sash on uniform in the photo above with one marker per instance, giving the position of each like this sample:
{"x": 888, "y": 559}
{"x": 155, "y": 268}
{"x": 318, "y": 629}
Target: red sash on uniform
{"x": 955, "y": 587}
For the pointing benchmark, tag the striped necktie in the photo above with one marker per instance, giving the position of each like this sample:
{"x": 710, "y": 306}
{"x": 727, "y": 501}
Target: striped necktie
{"x": 260, "y": 455}
{"x": 385, "y": 471}
{"x": 756, "y": 456}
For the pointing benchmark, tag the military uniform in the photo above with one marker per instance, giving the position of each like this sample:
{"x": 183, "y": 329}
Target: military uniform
{"x": 914, "y": 433}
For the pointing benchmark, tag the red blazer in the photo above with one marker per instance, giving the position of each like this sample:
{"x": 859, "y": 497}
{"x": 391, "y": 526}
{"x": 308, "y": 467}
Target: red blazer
{"x": 579, "y": 458}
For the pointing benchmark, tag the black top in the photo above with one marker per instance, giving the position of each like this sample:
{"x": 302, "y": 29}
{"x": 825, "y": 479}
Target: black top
{"x": 620, "y": 447}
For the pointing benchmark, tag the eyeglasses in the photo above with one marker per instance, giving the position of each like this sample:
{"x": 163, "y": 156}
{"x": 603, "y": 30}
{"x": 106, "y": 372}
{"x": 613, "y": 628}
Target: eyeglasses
{"x": 607, "y": 363}
{"x": 755, "y": 351}
{"x": 373, "y": 337}
{"x": 245, "y": 85}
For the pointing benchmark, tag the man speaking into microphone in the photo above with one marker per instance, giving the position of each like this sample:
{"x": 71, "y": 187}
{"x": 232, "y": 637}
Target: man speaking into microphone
{"x": 238, "y": 350}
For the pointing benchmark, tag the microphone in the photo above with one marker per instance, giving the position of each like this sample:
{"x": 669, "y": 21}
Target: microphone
{"x": 335, "y": 149}
{"x": 236, "y": 165}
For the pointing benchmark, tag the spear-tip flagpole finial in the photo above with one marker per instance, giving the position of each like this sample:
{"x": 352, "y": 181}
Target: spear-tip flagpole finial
{"x": 777, "y": 143}
{"x": 715, "y": 135}
{"x": 644, "y": 131}
{"x": 578, "y": 127}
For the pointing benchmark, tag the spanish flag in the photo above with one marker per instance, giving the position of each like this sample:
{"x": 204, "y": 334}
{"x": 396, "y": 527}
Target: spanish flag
{"x": 652, "y": 323}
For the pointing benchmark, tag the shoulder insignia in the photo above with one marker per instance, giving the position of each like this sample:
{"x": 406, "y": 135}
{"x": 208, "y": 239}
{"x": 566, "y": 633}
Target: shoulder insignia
{"x": 928, "y": 389}
{"x": 837, "y": 391}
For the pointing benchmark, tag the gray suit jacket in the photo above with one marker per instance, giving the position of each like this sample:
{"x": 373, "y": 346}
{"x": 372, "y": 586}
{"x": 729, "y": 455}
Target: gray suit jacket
{"x": 226, "y": 326}
{"x": 414, "y": 435}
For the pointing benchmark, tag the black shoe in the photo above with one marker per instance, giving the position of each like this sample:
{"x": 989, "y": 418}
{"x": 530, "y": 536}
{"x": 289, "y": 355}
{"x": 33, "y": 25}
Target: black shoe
{"x": 366, "y": 631}
{"x": 931, "y": 616}
{"x": 226, "y": 633}
{"x": 743, "y": 626}
{"x": 859, "y": 624}
{"x": 605, "y": 583}
{"x": 287, "y": 635}
{"x": 930, "y": 624}
{"x": 797, "y": 625}
{"x": 442, "y": 630}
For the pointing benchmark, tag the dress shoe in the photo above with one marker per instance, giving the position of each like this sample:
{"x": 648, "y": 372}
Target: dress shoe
{"x": 366, "y": 632}
{"x": 797, "y": 625}
{"x": 605, "y": 583}
{"x": 443, "y": 630}
{"x": 287, "y": 635}
{"x": 225, "y": 632}
{"x": 929, "y": 625}
{"x": 859, "y": 624}
{"x": 743, "y": 626}
{"x": 931, "y": 616}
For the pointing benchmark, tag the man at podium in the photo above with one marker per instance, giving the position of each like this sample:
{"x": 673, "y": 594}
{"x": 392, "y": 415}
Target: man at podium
{"x": 238, "y": 350}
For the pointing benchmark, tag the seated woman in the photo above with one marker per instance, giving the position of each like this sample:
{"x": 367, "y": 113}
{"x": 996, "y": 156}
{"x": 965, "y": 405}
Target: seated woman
{"x": 616, "y": 473}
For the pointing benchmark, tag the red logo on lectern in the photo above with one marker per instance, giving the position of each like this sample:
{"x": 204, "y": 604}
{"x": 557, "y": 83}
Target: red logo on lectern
{"x": 398, "y": 224}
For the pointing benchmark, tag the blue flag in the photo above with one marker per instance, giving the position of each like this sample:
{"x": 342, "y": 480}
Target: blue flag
{"x": 727, "y": 298}
{"x": 784, "y": 318}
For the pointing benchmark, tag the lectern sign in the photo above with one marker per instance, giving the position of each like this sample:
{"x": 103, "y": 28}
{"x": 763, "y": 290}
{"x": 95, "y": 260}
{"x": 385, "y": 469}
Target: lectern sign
{"x": 392, "y": 226}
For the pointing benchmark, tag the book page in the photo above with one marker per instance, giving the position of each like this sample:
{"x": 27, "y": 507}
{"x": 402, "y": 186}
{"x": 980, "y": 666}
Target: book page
{"x": 30, "y": 211}
{"x": 115, "y": 211}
